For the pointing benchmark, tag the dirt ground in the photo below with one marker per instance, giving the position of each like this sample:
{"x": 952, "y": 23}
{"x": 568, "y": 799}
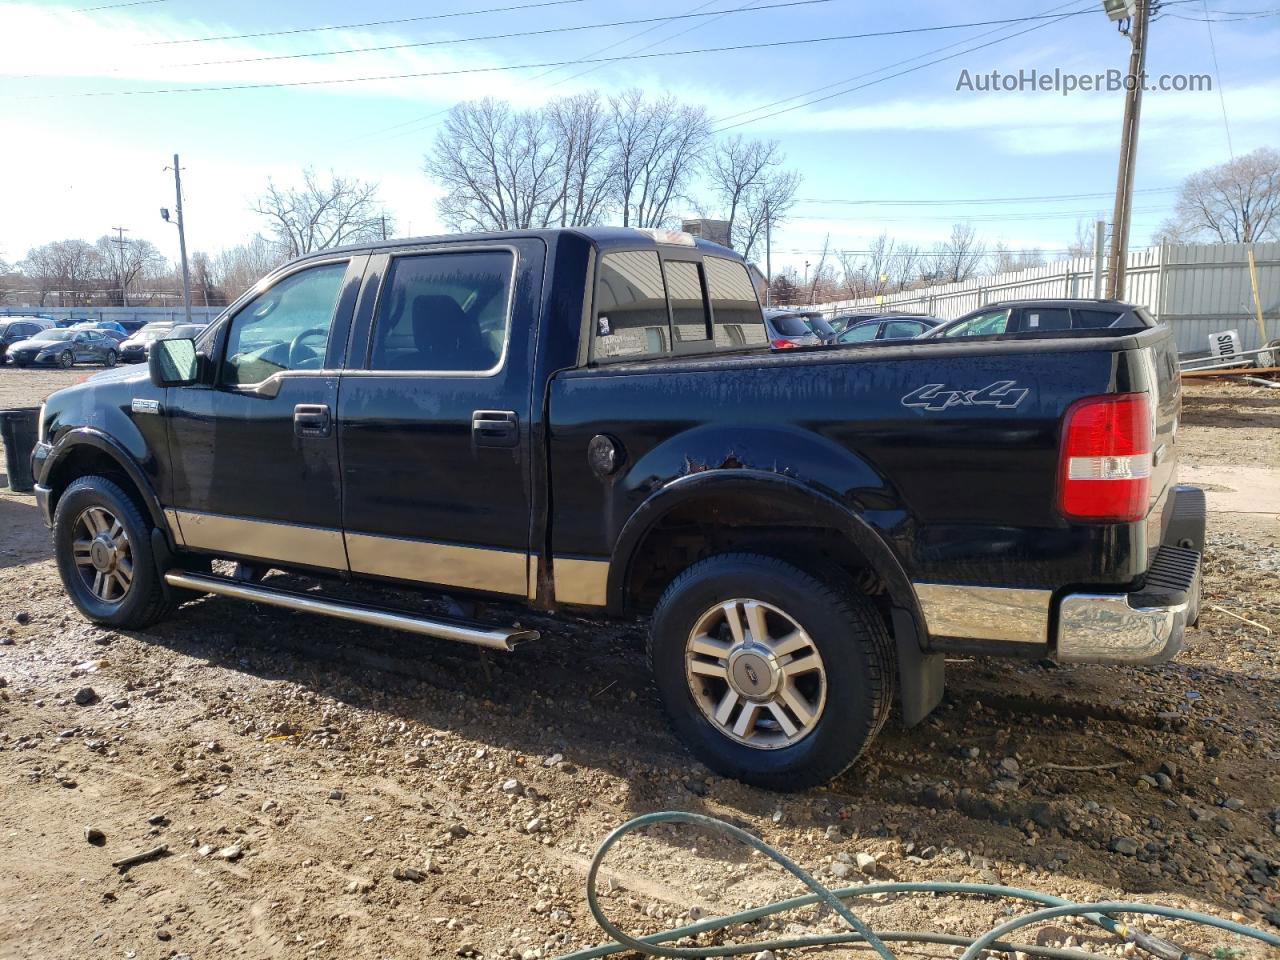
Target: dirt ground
{"x": 291, "y": 765}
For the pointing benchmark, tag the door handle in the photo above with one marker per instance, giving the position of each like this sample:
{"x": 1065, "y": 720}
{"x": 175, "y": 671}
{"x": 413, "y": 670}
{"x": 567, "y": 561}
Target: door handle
{"x": 312, "y": 421}
{"x": 495, "y": 428}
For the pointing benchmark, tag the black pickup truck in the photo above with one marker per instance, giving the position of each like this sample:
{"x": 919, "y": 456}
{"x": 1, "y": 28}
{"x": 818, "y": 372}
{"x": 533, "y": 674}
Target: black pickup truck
{"x": 591, "y": 419}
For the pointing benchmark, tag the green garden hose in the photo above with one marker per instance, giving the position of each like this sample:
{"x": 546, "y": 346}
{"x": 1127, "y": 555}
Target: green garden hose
{"x": 1053, "y": 907}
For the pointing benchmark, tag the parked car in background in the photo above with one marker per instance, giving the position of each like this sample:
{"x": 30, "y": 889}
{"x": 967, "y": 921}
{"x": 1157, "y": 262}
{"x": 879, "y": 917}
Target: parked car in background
{"x": 887, "y": 327}
{"x": 132, "y": 326}
{"x": 108, "y": 328}
{"x": 64, "y": 348}
{"x": 843, "y": 322}
{"x": 1031, "y": 318}
{"x": 182, "y": 331}
{"x": 137, "y": 347}
{"x": 797, "y": 328}
{"x": 15, "y": 329}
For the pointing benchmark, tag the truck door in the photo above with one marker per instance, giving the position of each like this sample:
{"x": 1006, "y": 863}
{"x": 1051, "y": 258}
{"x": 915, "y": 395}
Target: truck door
{"x": 433, "y": 425}
{"x": 254, "y": 454}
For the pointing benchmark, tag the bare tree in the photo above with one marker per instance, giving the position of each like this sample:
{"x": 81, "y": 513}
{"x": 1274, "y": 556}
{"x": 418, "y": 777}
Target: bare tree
{"x": 499, "y": 167}
{"x": 66, "y": 269}
{"x": 1082, "y": 244}
{"x": 659, "y": 146}
{"x": 904, "y": 266}
{"x": 319, "y": 215}
{"x": 957, "y": 258}
{"x": 1004, "y": 260}
{"x": 750, "y": 186}
{"x": 784, "y": 290}
{"x": 1235, "y": 202}
{"x": 587, "y": 168}
{"x": 237, "y": 268}
{"x": 125, "y": 263}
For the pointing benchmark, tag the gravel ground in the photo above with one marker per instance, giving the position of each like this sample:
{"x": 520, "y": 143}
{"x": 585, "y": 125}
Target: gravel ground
{"x": 292, "y": 765}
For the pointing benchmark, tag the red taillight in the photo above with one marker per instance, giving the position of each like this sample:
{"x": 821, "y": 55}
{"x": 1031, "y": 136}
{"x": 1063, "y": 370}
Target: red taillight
{"x": 784, "y": 344}
{"x": 1104, "y": 468}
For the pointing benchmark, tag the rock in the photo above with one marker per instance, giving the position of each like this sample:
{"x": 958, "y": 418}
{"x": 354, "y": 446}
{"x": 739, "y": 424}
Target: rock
{"x": 85, "y": 696}
{"x": 121, "y": 704}
{"x": 512, "y": 786}
{"x": 535, "y": 825}
{"x": 834, "y": 834}
{"x": 22, "y": 617}
{"x": 359, "y": 885}
{"x": 336, "y": 794}
{"x": 1010, "y": 765}
{"x": 697, "y": 787}
{"x": 1233, "y": 803}
{"x": 94, "y": 836}
{"x": 163, "y": 934}
{"x": 268, "y": 806}
{"x": 457, "y": 830}
{"x": 1164, "y": 781}
{"x": 554, "y": 759}
{"x": 407, "y": 873}
{"x": 205, "y": 849}
{"x": 232, "y": 852}
{"x": 764, "y": 955}
{"x": 841, "y": 871}
{"x": 1125, "y": 846}
{"x": 866, "y": 863}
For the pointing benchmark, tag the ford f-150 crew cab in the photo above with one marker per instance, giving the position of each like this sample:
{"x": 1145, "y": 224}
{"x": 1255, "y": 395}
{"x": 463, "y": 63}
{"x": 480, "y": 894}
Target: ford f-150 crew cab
{"x": 591, "y": 419}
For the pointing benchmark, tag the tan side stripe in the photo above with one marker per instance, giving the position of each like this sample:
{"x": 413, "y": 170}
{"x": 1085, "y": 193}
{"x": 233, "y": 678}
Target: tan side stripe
{"x": 581, "y": 581}
{"x": 263, "y": 539}
{"x": 422, "y": 561}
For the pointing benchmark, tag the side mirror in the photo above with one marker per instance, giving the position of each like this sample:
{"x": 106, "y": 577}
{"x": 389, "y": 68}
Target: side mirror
{"x": 173, "y": 363}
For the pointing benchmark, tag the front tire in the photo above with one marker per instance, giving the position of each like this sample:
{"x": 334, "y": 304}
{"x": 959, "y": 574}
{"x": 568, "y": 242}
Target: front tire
{"x": 66, "y": 359}
{"x": 768, "y": 674}
{"x": 102, "y": 543}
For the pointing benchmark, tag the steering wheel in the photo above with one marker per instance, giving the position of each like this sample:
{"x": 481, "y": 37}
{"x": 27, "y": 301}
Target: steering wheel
{"x": 296, "y": 348}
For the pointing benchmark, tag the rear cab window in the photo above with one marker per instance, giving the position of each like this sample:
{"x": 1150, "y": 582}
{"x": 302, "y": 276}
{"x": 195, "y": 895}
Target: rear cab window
{"x": 651, "y": 305}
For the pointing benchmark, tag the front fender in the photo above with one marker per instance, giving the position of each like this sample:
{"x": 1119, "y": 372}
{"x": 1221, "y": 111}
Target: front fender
{"x": 60, "y": 455}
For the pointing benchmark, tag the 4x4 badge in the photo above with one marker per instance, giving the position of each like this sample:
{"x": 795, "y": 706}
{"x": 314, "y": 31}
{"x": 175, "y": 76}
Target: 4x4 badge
{"x": 1005, "y": 394}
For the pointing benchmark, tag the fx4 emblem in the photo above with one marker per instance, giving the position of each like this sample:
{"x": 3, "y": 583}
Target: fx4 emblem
{"x": 1005, "y": 394}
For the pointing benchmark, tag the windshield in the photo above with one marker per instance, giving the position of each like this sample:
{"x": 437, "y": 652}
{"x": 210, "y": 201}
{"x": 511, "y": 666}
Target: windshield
{"x": 147, "y": 334}
{"x": 790, "y": 325}
{"x": 54, "y": 335}
{"x": 183, "y": 331}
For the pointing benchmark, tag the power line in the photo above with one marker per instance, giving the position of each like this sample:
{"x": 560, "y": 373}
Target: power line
{"x": 900, "y": 73}
{"x": 500, "y": 36}
{"x": 979, "y": 218}
{"x": 559, "y": 63}
{"x": 1217, "y": 75}
{"x": 358, "y": 26}
{"x": 116, "y": 6}
{"x": 871, "y": 73}
{"x": 1046, "y": 198}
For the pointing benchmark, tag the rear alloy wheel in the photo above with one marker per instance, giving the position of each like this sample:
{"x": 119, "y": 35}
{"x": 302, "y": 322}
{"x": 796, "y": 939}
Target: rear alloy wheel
{"x": 66, "y": 359}
{"x": 111, "y": 358}
{"x": 769, "y": 674}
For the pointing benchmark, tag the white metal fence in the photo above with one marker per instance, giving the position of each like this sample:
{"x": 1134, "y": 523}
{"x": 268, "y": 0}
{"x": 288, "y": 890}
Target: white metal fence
{"x": 145, "y": 314}
{"x": 1198, "y": 289}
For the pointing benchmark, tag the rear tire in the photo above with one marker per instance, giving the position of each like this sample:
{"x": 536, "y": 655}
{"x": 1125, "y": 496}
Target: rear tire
{"x": 102, "y": 543}
{"x": 819, "y": 687}
{"x": 111, "y": 359}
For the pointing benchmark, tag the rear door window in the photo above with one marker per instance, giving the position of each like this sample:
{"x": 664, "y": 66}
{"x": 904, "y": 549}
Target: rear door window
{"x": 990, "y": 323}
{"x": 861, "y": 333}
{"x": 444, "y": 312}
{"x": 631, "y": 308}
{"x": 1045, "y": 319}
{"x": 902, "y": 329}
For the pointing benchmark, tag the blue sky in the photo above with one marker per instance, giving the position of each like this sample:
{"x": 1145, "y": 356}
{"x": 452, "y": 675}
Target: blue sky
{"x": 77, "y": 165}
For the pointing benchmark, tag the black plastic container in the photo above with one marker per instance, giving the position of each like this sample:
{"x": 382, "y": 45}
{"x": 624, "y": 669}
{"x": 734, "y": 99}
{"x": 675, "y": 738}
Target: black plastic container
{"x": 18, "y": 433}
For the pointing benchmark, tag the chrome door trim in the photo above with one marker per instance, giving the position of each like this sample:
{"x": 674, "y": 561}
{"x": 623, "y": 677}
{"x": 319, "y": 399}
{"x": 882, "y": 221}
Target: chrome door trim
{"x": 291, "y": 543}
{"x": 1008, "y": 614}
{"x": 583, "y": 582}
{"x": 443, "y": 564}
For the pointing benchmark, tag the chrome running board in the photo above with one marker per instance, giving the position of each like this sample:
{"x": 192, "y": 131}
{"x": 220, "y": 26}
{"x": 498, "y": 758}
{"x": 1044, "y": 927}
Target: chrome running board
{"x": 493, "y": 638}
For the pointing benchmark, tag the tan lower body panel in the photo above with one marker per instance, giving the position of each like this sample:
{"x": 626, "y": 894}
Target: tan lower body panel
{"x": 584, "y": 582}
{"x": 262, "y": 539}
{"x": 1006, "y": 614}
{"x": 424, "y": 561}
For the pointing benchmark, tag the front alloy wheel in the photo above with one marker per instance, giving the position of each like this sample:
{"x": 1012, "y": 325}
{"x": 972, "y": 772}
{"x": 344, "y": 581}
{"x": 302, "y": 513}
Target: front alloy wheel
{"x": 103, "y": 555}
{"x": 755, "y": 674}
{"x": 66, "y": 359}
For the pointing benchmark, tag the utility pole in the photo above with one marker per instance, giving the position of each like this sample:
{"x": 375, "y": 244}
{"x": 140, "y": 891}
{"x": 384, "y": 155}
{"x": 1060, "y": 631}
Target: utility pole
{"x": 384, "y": 226}
{"x": 768, "y": 256}
{"x": 1099, "y": 253}
{"x": 121, "y": 243}
{"x": 182, "y": 238}
{"x": 1128, "y": 148}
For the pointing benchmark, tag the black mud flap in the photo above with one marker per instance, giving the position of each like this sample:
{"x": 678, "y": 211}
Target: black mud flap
{"x": 921, "y": 675}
